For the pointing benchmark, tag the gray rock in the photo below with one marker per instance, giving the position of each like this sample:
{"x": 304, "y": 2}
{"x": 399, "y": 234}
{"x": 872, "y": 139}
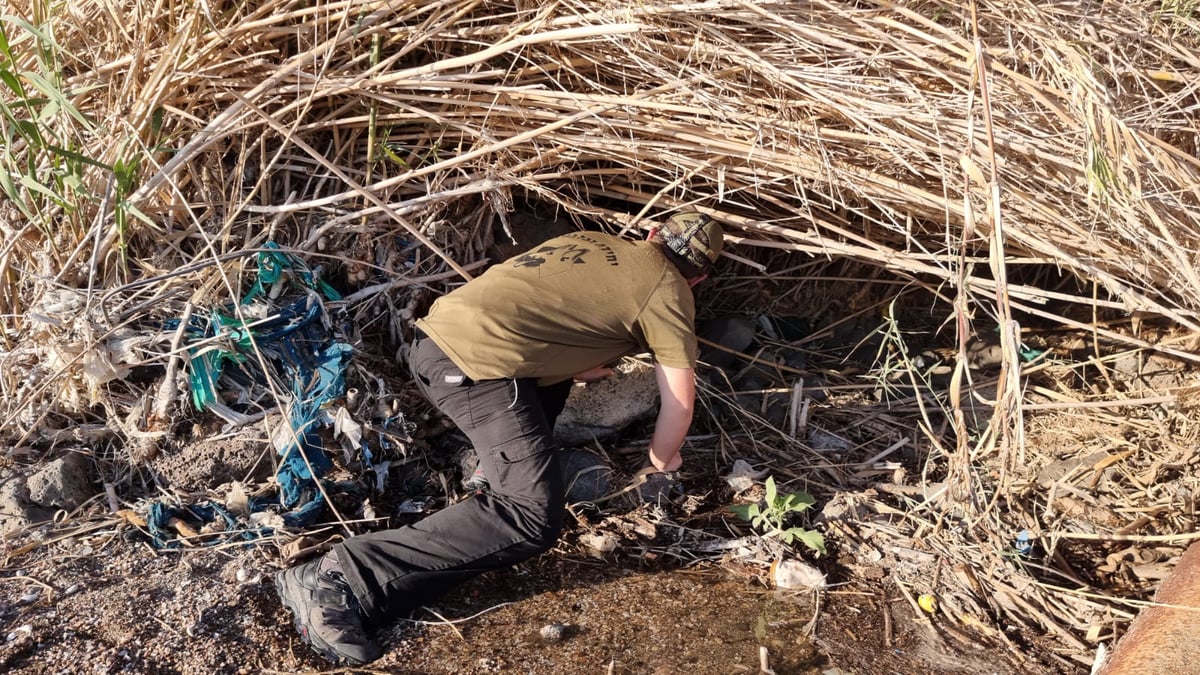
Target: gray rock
{"x": 16, "y": 511}
{"x": 63, "y": 484}
{"x": 586, "y": 475}
{"x": 732, "y": 332}
{"x": 825, "y": 442}
{"x": 599, "y": 410}
{"x": 779, "y": 406}
{"x": 788, "y": 328}
{"x": 791, "y": 357}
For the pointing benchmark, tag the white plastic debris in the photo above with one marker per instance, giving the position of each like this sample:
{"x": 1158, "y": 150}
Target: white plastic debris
{"x": 381, "y": 474}
{"x": 267, "y": 519}
{"x": 743, "y": 476}
{"x": 1101, "y": 658}
{"x": 794, "y": 575}
{"x": 345, "y": 426}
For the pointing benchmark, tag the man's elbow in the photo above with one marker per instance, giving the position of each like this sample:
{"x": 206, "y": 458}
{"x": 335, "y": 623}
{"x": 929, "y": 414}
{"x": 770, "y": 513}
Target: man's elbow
{"x": 682, "y": 410}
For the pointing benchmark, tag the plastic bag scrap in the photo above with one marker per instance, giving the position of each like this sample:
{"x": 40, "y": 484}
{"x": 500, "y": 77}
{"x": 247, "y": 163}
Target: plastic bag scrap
{"x": 279, "y": 338}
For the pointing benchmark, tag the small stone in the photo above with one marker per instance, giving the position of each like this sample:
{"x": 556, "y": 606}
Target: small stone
{"x": 601, "y": 543}
{"x": 870, "y": 555}
{"x": 553, "y": 632}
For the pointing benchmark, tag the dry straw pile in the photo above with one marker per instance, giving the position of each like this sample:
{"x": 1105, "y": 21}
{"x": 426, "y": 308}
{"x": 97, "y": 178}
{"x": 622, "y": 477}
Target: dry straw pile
{"x": 984, "y": 153}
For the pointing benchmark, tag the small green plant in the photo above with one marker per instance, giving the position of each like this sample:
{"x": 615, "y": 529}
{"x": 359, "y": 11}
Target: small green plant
{"x": 773, "y": 516}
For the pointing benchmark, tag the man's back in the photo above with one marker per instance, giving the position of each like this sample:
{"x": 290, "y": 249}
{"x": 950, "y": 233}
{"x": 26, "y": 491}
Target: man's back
{"x": 570, "y": 304}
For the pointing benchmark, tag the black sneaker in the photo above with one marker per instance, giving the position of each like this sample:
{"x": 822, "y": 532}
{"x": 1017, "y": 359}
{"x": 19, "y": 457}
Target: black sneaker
{"x": 477, "y": 482}
{"x": 328, "y": 616}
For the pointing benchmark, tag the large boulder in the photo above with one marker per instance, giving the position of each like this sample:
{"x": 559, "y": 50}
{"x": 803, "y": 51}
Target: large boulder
{"x": 600, "y": 410}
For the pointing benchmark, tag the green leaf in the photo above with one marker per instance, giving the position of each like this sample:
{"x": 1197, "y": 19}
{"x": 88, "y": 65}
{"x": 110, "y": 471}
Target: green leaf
{"x": 73, "y": 181}
{"x": 10, "y": 189}
{"x": 14, "y": 19}
{"x": 32, "y": 185}
{"x": 58, "y": 98}
{"x": 13, "y": 82}
{"x": 800, "y": 501}
{"x": 743, "y": 510}
{"x": 391, "y": 154}
{"x": 771, "y": 492}
{"x": 5, "y": 50}
{"x": 30, "y": 132}
{"x": 811, "y": 539}
{"x": 71, "y": 154}
{"x": 137, "y": 213}
{"x": 125, "y": 173}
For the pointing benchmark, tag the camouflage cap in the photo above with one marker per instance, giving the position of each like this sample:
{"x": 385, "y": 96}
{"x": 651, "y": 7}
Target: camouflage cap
{"x": 695, "y": 237}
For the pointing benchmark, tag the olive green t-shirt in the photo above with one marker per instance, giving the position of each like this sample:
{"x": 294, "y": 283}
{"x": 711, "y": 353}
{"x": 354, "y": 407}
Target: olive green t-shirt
{"x": 575, "y": 302}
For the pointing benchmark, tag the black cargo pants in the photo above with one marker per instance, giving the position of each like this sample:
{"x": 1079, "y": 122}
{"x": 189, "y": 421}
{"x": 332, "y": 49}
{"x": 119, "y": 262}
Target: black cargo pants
{"x": 510, "y": 423}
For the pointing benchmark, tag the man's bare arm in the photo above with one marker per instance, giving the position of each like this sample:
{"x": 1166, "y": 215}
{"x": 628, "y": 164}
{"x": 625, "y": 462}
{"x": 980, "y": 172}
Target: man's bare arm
{"x": 677, "y": 390}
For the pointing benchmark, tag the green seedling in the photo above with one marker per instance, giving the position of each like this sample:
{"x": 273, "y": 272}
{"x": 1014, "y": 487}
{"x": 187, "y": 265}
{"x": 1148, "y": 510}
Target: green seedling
{"x": 772, "y": 516}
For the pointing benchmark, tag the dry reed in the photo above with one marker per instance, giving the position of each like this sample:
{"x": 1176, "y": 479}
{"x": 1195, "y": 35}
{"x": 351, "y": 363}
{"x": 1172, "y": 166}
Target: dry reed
{"x": 385, "y": 138}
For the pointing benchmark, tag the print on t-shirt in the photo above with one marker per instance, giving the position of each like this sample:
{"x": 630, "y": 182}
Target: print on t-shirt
{"x": 560, "y": 258}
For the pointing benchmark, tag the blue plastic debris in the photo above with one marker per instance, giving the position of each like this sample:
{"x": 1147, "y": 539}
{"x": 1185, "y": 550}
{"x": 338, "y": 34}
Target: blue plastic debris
{"x": 158, "y": 521}
{"x": 303, "y": 457}
{"x": 1023, "y": 543}
{"x": 275, "y": 266}
{"x": 279, "y": 338}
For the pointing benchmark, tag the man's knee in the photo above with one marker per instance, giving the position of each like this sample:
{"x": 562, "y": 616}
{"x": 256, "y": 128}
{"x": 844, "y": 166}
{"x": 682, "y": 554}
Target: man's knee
{"x": 551, "y": 526}
{"x": 540, "y": 518}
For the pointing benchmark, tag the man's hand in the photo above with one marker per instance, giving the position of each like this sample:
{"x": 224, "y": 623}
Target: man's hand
{"x": 671, "y": 463}
{"x": 593, "y": 374}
